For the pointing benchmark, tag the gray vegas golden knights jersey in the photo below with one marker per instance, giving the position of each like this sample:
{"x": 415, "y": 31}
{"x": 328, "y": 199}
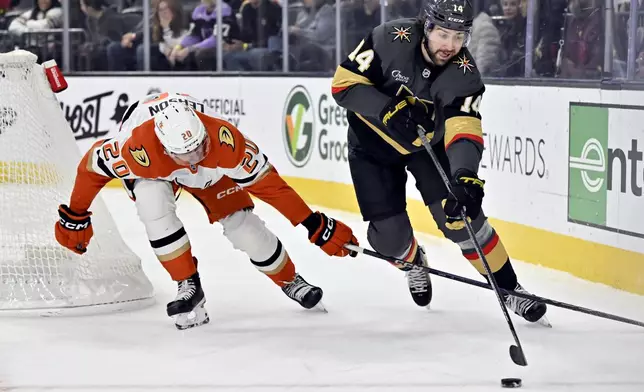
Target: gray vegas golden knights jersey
{"x": 390, "y": 56}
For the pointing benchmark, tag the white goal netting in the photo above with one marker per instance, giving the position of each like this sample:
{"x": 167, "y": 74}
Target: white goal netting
{"x": 38, "y": 160}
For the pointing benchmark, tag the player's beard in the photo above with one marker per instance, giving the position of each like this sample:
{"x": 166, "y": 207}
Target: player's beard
{"x": 441, "y": 57}
{"x": 437, "y": 57}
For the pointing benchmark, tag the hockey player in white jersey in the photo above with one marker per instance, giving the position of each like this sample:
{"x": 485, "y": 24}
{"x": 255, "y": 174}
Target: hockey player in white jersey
{"x": 167, "y": 142}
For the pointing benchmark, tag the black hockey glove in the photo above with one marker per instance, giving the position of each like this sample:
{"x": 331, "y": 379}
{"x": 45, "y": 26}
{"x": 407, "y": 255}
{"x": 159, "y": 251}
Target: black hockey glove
{"x": 403, "y": 114}
{"x": 467, "y": 191}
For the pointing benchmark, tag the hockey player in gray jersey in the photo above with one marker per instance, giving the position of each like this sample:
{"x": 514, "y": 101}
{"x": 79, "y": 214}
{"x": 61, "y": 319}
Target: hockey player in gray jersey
{"x": 418, "y": 72}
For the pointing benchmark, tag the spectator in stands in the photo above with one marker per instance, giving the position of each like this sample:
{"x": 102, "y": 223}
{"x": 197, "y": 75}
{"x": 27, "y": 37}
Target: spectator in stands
{"x": 6, "y": 42}
{"x": 485, "y": 45}
{"x": 397, "y": 9}
{"x": 123, "y": 55}
{"x": 361, "y": 18}
{"x": 7, "y": 5}
{"x": 312, "y": 38}
{"x": 235, "y": 5}
{"x": 168, "y": 29}
{"x": 261, "y": 22}
{"x": 491, "y": 7}
{"x": 199, "y": 48}
{"x": 583, "y": 48}
{"x": 512, "y": 30}
{"x": 104, "y": 25}
{"x": 550, "y": 21}
{"x": 47, "y": 14}
{"x": 639, "y": 40}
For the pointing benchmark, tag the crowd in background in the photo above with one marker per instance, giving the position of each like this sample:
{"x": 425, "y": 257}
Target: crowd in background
{"x": 107, "y": 35}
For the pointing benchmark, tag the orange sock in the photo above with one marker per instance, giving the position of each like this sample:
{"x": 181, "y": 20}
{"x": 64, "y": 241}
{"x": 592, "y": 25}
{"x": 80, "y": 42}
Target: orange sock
{"x": 181, "y": 267}
{"x": 285, "y": 274}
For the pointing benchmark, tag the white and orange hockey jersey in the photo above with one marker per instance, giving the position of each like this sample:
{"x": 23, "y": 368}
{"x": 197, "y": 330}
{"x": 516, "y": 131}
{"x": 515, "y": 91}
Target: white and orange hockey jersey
{"x": 135, "y": 152}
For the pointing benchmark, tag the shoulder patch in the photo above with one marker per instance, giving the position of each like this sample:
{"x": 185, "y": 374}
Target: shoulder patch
{"x": 140, "y": 156}
{"x": 401, "y": 33}
{"x": 226, "y": 137}
{"x": 464, "y": 63}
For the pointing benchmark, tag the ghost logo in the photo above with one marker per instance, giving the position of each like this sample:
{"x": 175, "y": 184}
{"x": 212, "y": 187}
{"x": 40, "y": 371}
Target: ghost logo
{"x": 121, "y": 107}
{"x": 84, "y": 118}
{"x": 7, "y": 118}
{"x": 298, "y": 127}
{"x": 226, "y": 137}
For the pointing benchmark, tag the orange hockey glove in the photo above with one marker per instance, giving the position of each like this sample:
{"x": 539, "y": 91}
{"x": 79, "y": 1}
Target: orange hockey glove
{"x": 329, "y": 234}
{"x": 73, "y": 231}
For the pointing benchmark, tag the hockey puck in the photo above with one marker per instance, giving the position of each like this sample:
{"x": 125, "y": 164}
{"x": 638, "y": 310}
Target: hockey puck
{"x": 511, "y": 382}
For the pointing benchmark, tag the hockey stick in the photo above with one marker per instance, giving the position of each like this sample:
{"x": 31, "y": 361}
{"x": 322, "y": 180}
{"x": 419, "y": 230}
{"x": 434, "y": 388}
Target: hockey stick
{"x": 477, "y": 283}
{"x": 516, "y": 352}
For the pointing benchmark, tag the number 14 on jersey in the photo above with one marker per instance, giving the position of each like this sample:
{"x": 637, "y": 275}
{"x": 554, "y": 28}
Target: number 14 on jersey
{"x": 363, "y": 59}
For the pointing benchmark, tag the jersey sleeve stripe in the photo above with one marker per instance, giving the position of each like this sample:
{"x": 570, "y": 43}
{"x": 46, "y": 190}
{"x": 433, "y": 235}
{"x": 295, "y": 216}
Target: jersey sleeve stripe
{"x": 463, "y": 127}
{"x": 384, "y": 136}
{"x": 462, "y": 136}
{"x": 245, "y": 181}
{"x": 101, "y": 164}
{"x": 344, "y": 79}
{"x": 257, "y": 176}
{"x": 90, "y": 162}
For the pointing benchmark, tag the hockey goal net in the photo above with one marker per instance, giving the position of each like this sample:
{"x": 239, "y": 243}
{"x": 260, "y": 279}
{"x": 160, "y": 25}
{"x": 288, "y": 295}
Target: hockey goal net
{"x": 38, "y": 159}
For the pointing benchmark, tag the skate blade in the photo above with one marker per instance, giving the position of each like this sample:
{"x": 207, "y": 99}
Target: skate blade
{"x": 198, "y": 316}
{"x": 543, "y": 321}
{"x": 319, "y": 307}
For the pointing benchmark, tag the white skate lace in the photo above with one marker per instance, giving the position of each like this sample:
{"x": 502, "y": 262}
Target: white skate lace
{"x": 417, "y": 280}
{"x": 517, "y": 304}
{"x": 186, "y": 290}
{"x": 297, "y": 289}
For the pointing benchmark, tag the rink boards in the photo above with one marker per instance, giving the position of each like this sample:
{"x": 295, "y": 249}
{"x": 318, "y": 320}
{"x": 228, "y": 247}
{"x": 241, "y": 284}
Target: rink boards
{"x": 563, "y": 166}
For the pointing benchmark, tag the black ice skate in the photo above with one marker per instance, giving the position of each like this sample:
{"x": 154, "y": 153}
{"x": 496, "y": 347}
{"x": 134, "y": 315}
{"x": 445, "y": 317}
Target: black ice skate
{"x": 529, "y": 309}
{"x": 188, "y": 306}
{"x": 420, "y": 285}
{"x": 307, "y": 295}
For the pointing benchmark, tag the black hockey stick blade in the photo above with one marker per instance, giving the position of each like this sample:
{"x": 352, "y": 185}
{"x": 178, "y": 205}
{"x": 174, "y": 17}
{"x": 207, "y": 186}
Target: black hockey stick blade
{"x": 517, "y": 356}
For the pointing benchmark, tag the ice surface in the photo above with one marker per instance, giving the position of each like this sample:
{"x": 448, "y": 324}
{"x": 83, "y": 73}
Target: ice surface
{"x": 373, "y": 339}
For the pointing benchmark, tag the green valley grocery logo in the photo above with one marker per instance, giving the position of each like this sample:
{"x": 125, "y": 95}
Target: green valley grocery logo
{"x": 298, "y": 129}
